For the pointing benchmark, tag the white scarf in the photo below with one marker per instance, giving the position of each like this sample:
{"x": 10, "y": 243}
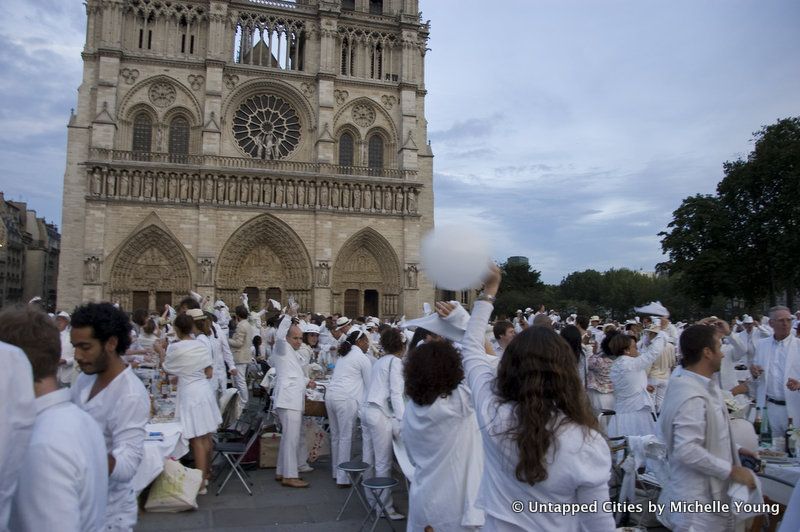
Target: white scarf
{"x": 186, "y": 357}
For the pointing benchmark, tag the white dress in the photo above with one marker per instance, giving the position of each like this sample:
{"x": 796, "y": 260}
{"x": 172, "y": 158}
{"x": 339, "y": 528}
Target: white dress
{"x": 444, "y": 443}
{"x": 196, "y": 407}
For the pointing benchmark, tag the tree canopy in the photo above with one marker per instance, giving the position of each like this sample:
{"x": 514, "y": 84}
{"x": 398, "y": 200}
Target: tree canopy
{"x": 739, "y": 243}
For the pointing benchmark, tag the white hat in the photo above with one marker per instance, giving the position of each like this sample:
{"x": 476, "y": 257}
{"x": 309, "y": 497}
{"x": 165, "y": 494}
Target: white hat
{"x": 653, "y": 328}
{"x": 195, "y": 314}
{"x": 344, "y": 321}
{"x": 747, "y": 319}
{"x": 655, "y": 308}
{"x": 64, "y": 315}
{"x": 275, "y": 304}
{"x": 528, "y": 309}
{"x": 594, "y": 318}
{"x": 452, "y": 327}
{"x": 311, "y": 328}
{"x": 519, "y": 311}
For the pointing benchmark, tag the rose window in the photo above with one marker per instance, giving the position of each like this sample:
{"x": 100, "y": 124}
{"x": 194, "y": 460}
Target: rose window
{"x": 266, "y": 127}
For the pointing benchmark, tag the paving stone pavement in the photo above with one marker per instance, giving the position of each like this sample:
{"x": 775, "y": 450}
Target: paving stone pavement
{"x": 274, "y": 507}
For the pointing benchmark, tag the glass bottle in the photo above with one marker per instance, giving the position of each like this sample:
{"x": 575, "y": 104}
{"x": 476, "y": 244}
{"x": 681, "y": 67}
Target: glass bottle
{"x": 757, "y": 421}
{"x": 790, "y": 439}
{"x": 766, "y": 432}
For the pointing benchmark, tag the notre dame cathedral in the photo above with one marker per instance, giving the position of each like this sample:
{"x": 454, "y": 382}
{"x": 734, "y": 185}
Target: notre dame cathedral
{"x": 267, "y": 146}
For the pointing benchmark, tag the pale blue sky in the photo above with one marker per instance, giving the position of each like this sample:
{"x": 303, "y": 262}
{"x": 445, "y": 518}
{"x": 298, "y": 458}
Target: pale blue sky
{"x": 568, "y": 129}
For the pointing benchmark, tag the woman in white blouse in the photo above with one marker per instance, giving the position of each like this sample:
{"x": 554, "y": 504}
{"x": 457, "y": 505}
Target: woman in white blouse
{"x": 442, "y": 438}
{"x": 541, "y": 441}
{"x": 344, "y": 395}
{"x": 633, "y": 405}
{"x": 383, "y": 409}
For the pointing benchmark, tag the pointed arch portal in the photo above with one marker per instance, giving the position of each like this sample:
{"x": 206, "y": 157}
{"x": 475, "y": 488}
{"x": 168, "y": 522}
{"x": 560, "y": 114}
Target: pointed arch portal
{"x": 366, "y": 276}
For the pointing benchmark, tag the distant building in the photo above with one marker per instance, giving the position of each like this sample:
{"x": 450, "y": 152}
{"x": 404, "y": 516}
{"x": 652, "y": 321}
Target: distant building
{"x": 29, "y": 250}
{"x": 518, "y": 261}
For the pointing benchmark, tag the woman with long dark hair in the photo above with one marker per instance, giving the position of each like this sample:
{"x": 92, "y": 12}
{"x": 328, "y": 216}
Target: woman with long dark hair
{"x": 344, "y": 395}
{"x": 541, "y": 441}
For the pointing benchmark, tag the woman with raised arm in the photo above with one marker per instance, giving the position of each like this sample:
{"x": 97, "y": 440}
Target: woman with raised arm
{"x": 544, "y": 456}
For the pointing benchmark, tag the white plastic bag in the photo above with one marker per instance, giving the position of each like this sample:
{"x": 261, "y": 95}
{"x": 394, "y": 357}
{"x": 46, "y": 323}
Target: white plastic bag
{"x": 175, "y": 489}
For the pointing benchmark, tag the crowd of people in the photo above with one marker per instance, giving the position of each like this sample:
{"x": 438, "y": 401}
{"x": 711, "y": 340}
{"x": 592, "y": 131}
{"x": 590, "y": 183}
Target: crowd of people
{"x": 492, "y": 413}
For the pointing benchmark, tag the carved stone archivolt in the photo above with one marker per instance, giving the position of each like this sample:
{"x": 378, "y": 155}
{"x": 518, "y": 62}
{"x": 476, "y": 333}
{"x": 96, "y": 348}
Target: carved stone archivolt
{"x": 150, "y": 260}
{"x": 161, "y": 94}
{"x": 265, "y": 252}
{"x": 224, "y": 189}
{"x": 368, "y": 262}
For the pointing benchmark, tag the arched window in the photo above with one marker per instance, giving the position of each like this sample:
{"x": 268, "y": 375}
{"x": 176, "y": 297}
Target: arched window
{"x": 178, "y": 140}
{"x": 142, "y": 134}
{"x": 348, "y": 5}
{"x": 376, "y": 151}
{"x": 346, "y": 149}
{"x": 376, "y": 7}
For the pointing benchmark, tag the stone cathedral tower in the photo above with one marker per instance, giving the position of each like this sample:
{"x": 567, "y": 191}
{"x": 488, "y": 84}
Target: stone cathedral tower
{"x": 269, "y": 146}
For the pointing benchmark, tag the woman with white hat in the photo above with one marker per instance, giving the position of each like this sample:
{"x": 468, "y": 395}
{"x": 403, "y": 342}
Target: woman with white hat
{"x": 343, "y": 397}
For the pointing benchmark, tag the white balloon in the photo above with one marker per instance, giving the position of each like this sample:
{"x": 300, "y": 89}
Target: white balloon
{"x": 455, "y": 257}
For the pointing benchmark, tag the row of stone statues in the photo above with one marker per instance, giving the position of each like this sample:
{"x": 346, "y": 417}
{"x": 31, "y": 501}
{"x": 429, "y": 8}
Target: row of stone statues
{"x": 242, "y": 190}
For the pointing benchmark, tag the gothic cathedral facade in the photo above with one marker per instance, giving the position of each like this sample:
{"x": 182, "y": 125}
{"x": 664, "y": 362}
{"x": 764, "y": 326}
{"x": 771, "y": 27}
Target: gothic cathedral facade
{"x": 267, "y": 146}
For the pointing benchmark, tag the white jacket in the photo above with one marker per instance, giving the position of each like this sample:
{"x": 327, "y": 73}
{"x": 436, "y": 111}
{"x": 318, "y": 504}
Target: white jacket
{"x": 290, "y": 383}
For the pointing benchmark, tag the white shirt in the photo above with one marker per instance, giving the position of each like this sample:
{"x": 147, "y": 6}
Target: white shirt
{"x": 350, "y": 376}
{"x": 121, "y": 409}
{"x": 690, "y": 462}
{"x": 17, "y": 415}
{"x": 579, "y": 462}
{"x": 386, "y": 384}
{"x": 444, "y": 443}
{"x": 629, "y": 375}
{"x": 776, "y": 384}
{"x": 290, "y": 377}
{"x": 65, "y": 484}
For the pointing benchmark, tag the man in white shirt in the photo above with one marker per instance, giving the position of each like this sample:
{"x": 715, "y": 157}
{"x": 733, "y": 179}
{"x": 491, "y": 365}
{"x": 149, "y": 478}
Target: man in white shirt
{"x": 289, "y": 401}
{"x": 65, "y": 480}
{"x": 695, "y": 427}
{"x": 17, "y": 416}
{"x": 777, "y": 362}
{"x": 241, "y": 342}
{"x": 745, "y": 341}
{"x": 115, "y": 397}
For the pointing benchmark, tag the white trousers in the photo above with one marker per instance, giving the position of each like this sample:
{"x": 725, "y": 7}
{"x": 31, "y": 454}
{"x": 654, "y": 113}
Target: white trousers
{"x": 342, "y": 415}
{"x": 240, "y": 381}
{"x": 660, "y": 390}
{"x": 291, "y": 452}
{"x": 376, "y": 438}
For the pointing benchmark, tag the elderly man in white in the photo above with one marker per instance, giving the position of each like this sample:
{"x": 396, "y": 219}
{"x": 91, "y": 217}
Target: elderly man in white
{"x": 117, "y": 400}
{"x": 777, "y": 369}
{"x": 289, "y": 401}
{"x": 694, "y": 425}
{"x": 65, "y": 480}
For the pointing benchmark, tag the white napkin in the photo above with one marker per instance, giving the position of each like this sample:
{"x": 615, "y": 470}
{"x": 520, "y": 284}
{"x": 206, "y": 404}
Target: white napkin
{"x": 742, "y": 494}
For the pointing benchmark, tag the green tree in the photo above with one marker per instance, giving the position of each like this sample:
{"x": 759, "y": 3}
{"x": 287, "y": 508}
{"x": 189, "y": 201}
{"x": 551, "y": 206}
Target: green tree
{"x": 521, "y": 287}
{"x": 740, "y": 242}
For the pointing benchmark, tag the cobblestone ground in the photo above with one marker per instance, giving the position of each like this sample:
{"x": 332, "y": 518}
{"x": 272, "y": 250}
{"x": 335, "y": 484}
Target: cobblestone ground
{"x": 274, "y": 507}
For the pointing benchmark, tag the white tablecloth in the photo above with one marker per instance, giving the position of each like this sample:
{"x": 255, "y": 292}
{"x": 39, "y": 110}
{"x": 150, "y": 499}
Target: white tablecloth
{"x": 787, "y": 473}
{"x": 173, "y": 446}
